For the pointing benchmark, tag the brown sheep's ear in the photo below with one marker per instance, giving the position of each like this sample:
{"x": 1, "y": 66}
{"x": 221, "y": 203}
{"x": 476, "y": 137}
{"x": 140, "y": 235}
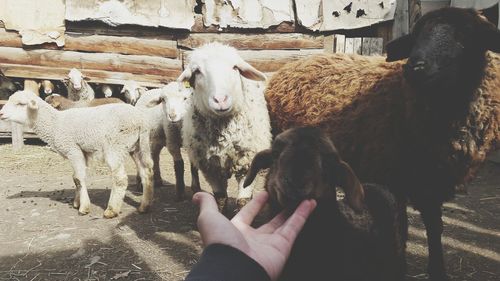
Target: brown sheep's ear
{"x": 399, "y": 48}
{"x": 262, "y": 160}
{"x": 352, "y": 187}
{"x": 249, "y": 72}
{"x": 156, "y": 101}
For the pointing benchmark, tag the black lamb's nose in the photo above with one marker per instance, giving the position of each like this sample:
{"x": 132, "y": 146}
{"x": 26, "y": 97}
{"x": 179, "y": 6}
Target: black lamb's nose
{"x": 418, "y": 66}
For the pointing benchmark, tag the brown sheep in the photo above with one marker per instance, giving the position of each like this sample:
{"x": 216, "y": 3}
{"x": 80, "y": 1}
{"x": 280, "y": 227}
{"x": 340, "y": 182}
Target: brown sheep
{"x": 421, "y": 127}
{"x": 61, "y": 103}
{"x": 353, "y": 239}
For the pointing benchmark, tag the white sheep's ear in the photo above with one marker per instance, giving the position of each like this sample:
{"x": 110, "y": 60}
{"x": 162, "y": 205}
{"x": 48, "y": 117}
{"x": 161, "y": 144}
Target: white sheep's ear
{"x": 156, "y": 101}
{"x": 249, "y": 72}
{"x": 185, "y": 75}
{"x": 262, "y": 160}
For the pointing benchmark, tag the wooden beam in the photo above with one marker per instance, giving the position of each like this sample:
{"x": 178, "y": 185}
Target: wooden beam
{"x": 339, "y": 43}
{"x": 401, "y": 24}
{"x": 271, "y": 60}
{"x": 96, "y": 76}
{"x": 98, "y": 61}
{"x": 293, "y": 41}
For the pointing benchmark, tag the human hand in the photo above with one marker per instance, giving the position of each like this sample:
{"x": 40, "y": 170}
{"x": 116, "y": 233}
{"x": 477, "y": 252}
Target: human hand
{"x": 269, "y": 245}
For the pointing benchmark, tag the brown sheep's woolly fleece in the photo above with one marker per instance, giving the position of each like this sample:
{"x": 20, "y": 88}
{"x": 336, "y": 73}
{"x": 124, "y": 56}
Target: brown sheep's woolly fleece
{"x": 371, "y": 115}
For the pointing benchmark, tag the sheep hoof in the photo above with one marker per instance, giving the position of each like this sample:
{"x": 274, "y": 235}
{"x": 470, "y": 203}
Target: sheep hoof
{"x": 83, "y": 211}
{"x": 143, "y": 209}
{"x": 108, "y": 213}
{"x": 241, "y": 202}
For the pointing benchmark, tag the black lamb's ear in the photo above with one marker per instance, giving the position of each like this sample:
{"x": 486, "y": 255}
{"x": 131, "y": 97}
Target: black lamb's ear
{"x": 399, "y": 48}
{"x": 262, "y": 160}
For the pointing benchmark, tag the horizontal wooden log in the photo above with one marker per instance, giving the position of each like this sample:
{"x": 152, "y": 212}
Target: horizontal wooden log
{"x": 256, "y": 41}
{"x": 95, "y": 76}
{"x": 103, "y": 44}
{"x": 98, "y": 61}
{"x": 269, "y": 60}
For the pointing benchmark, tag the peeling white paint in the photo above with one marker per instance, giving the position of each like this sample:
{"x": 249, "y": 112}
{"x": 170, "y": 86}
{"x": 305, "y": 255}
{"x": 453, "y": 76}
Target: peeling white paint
{"x": 247, "y": 13}
{"x": 327, "y": 15}
{"x": 37, "y": 21}
{"x": 166, "y": 13}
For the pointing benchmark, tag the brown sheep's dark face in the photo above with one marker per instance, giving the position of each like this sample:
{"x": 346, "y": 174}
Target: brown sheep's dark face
{"x": 444, "y": 47}
{"x": 304, "y": 164}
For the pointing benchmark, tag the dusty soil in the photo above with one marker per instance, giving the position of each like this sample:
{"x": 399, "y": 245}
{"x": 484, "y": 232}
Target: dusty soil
{"x": 43, "y": 238}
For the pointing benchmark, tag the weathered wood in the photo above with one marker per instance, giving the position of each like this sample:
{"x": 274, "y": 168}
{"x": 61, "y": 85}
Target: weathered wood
{"x": 17, "y": 136}
{"x": 365, "y": 47}
{"x": 414, "y": 12}
{"x": 31, "y": 85}
{"x": 103, "y": 44}
{"x": 349, "y": 46}
{"x": 99, "y": 61}
{"x": 199, "y": 27}
{"x": 376, "y": 46}
{"x": 401, "y": 24}
{"x": 329, "y": 44}
{"x": 122, "y": 45}
{"x": 357, "y": 45}
{"x": 339, "y": 43}
{"x": 270, "y": 60}
{"x": 256, "y": 41}
{"x": 96, "y": 76}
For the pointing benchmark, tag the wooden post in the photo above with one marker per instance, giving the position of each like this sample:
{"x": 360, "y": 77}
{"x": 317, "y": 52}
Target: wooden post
{"x": 339, "y": 43}
{"x": 17, "y": 136}
{"x": 401, "y": 19}
{"x": 415, "y": 12}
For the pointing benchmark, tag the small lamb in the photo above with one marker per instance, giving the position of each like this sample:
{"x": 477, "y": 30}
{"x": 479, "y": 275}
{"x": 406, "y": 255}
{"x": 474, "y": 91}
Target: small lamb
{"x": 132, "y": 91}
{"x": 78, "y": 88}
{"x": 353, "y": 239}
{"x": 114, "y": 131}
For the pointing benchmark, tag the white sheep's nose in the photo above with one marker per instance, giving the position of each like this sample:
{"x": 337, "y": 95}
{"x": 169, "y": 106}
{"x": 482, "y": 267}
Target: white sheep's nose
{"x": 221, "y": 99}
{"x": 172, "y": 116}
{"x": 48, "y": 91}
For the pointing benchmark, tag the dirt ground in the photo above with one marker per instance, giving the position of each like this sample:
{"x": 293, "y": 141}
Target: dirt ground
{"x": 43, "y": 238}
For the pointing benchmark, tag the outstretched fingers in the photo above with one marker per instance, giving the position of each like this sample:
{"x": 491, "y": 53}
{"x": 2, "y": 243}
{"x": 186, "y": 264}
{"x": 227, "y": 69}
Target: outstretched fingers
{"x": 246, "y": 215}
{"x": 293, "y": 225}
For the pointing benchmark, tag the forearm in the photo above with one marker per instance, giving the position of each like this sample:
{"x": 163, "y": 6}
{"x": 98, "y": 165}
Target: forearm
{"x": 224, "y": 263}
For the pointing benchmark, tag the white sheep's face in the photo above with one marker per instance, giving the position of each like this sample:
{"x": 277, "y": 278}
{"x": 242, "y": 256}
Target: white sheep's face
{"x": 15, "y": 110}
{"x": 131, "y": 92}
{"x": 75, "y": 79}
{"x": 215, "y": 73}
{"x": 48, "y": 87}
{"x": 176, "y": 99}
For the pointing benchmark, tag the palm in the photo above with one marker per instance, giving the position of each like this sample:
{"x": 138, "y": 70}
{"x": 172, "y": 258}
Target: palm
{"x": 269, "y": 245}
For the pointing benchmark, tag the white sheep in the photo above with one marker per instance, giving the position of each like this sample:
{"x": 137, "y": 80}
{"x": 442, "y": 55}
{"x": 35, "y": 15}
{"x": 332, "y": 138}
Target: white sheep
{"x": 228, "y": 122}
{"x": 165, "y": 108}
{"x": 78, "y": 88}
{"x": 114, "y": 131}
{"x": 132, "y": 91}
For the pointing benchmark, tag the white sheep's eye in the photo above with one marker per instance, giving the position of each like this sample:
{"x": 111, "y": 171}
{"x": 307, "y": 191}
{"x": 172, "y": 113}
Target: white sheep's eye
{"x": 21, "y": 103}
{"x": 185, "y": 98}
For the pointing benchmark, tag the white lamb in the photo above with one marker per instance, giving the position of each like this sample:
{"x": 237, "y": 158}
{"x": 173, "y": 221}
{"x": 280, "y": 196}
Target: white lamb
{"x": 78, "y": 88}
{"x": 132, "y": 91}
{"x": 114, "y": 131}
{"x": 228, "y": 122}
{"x": 165, "y": 107}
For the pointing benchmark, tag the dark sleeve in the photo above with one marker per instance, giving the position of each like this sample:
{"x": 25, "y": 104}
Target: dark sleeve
{"x": 220, "y": 262}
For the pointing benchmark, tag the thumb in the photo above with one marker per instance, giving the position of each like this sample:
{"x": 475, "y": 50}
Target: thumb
{"x": 205, "y": 201}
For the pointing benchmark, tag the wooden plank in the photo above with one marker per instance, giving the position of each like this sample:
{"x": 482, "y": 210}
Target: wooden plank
{"x": 96, "y": 76}
{"x": 31, "y": 85}
{"x": 401, "y": 24}
{"x": 349, "y": 46}
{"x": 122, "y": 45}
{"x": 270, "y": 60}
{"x": 99, "y": 61}
{"x": 103, "y": 44}
{"x": 256, "y": 41}
{"x": 339, "y": 43}
{"x": 357, "y": 45}
{"x": 365, "y": 47}
{"x": 329, "y": 44}
{"x": 376, "y": 46}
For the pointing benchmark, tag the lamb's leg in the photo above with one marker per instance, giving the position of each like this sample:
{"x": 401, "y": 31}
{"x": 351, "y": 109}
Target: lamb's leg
{"x": 431, "y": 216}
{"x": 155, "y": 155}
{"x": 244, "y": 193}
{"x": 82, "y": 200}
{"x": 195, "y": 179}
{"x": 120, "y": 182}
{"x": 145, "y": 168}
{"x": 179, "y": 171}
